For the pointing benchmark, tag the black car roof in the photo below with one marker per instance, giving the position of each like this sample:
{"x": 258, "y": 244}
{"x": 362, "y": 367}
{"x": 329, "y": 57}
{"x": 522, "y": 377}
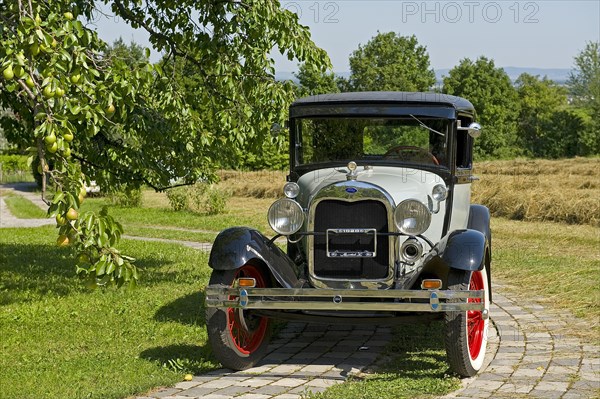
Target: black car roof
{"x": 389, "y": 97}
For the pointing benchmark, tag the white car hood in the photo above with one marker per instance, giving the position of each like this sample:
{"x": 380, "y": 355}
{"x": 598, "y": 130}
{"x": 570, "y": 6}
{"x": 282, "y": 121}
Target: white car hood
{"x": 399, "y": 183}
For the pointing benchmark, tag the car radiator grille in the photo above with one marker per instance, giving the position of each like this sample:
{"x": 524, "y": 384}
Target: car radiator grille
{"x": 332, "y": 214}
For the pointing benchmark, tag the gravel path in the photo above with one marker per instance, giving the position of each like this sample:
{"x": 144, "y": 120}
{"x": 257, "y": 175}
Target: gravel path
{"x": 24, "y": 190}
{"x": 530, "y": 355}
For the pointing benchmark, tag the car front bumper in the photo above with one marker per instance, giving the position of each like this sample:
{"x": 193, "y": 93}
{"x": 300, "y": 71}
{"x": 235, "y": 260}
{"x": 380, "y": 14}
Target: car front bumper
{"x": 349, "y": 299}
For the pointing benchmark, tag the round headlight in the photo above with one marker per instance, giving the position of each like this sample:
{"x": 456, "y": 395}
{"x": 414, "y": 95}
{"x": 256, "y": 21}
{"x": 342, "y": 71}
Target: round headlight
{"x": 291, "y": 189}
{"x": 412, "y": 217}
{"x": 286, "y": 216}
{"x": 439, "y": 192}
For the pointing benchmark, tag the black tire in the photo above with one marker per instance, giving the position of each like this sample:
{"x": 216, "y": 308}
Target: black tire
{"x": 466, "y": 332}
{"x": 239, "y": 338}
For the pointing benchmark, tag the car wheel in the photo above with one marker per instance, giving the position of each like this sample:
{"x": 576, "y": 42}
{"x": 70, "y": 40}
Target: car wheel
{"x": 466, "y": 331}
{"x": 239, "y": 338}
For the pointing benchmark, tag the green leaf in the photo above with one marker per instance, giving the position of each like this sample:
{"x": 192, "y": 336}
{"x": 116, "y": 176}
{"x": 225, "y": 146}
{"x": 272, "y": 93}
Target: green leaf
{"x": 58, "y": 197}
{"x": 101, "y": 267}
{"x": 75, "y": 109}
{"x": 111, "y": 268}
{"x": 102, "y": 240}
{"x": 53, "y": 210}
{"x": 103, "y": 281}
{"x": 101, "y": 226}
{"x": 91, "y": 219}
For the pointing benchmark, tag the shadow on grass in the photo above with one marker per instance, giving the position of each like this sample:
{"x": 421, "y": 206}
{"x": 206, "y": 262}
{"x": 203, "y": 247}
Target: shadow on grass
{"x": 193, "y": 359}
{"x": 31, "y": 271}
{"x": 196, "y": 359}
{"x": 23, "y": 186}
{"x": 187, "y": 310}
{"x": 415, "y": 351}
{"x": 156, "y": 271}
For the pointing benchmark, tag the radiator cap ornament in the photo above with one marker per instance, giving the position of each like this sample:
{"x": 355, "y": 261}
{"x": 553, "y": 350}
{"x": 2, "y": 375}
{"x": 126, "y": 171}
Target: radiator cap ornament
{"x": 352, "y": 173}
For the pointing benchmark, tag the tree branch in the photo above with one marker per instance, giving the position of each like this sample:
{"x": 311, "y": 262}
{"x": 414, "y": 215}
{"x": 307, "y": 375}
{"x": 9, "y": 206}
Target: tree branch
{"x": 130, "y": 16}
{"x": 120, "y": 173}
{"x": 43, "y": 164}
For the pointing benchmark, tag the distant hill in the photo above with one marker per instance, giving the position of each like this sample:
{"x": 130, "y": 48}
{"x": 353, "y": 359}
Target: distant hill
{"x": 285, "y": 76}
{"x": 559, "y": 75}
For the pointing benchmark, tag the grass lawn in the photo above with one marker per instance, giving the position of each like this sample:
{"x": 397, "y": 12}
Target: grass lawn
{"x": 558, "y": 262}
{"x": 23, "y": 208}
{"x": 170, "y": 233}
{"x": 60, "y": 340}
{"x": 19, "y": 177}
{"x": 239, "y": 212}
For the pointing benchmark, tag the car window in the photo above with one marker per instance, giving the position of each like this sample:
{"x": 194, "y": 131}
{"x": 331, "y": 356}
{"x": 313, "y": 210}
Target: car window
{"x": 464, "y": 142}
{"x": 397, "y": 139}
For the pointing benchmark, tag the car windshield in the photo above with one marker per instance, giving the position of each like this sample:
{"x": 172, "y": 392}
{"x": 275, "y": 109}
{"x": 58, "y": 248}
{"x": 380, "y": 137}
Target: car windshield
{"x": 410, "y": 139}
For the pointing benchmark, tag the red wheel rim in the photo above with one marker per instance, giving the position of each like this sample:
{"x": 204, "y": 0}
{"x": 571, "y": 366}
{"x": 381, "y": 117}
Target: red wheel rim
{"x": 475, "y": 322}
{"x": 247, "y": 332}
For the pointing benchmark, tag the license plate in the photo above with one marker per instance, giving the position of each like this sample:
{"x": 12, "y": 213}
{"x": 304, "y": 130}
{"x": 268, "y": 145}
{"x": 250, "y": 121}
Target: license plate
{"x": 351, "y": 243}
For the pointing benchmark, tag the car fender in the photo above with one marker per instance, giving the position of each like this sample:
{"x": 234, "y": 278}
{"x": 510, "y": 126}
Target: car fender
{"x": 463, "y": 250}
{"x": 236, "y": 246}
{"x": 479, "y": 219}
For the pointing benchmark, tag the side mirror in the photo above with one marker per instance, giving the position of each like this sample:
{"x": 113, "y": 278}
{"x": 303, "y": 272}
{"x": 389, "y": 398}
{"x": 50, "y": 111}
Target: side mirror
{"x": 474, "y": 129}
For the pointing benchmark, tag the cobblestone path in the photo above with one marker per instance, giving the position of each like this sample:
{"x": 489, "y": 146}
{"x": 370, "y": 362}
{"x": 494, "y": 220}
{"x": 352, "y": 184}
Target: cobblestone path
{"x": 528, "y": 357}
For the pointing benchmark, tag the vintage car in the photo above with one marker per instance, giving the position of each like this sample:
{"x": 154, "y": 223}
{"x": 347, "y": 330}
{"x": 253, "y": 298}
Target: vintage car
{"x": 379, "y": 228}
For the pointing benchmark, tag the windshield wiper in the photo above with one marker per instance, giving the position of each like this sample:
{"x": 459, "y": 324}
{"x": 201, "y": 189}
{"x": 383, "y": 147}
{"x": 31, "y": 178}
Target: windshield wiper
{"x": 426, "y": 127}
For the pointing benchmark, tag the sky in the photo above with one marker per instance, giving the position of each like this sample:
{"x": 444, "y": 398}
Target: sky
{"x": 535, "y": 34}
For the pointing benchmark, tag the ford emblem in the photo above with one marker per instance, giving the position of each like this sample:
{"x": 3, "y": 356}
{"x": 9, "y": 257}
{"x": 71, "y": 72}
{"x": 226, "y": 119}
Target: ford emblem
{"x": 351, "y": 190}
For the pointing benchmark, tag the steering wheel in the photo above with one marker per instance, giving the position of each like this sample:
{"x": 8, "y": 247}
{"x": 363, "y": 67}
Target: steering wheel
{"x": 409, "y": 152}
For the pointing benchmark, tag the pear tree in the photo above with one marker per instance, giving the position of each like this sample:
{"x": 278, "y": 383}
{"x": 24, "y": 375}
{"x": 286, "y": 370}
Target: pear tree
{"x": 84, "y": 112}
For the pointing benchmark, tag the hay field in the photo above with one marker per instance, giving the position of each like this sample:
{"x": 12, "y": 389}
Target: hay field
{"x": 564, "y": 191}
{"x": 262, "y": 184}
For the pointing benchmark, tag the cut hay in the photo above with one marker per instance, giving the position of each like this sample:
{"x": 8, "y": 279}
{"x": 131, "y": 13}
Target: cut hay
{"x": 262, "y": 184}
{"x": 564, "y": 191}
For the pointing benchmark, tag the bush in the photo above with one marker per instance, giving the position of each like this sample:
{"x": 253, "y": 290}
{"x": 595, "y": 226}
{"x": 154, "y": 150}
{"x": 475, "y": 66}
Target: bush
{"x": 130, "y": 197}
{"x": 13, "y": 163}
{"x": 199, "y": 198}
{"x": 13, "y": 168}
{"x": 216, "y": 201}
{"x": 178, "y": 198}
